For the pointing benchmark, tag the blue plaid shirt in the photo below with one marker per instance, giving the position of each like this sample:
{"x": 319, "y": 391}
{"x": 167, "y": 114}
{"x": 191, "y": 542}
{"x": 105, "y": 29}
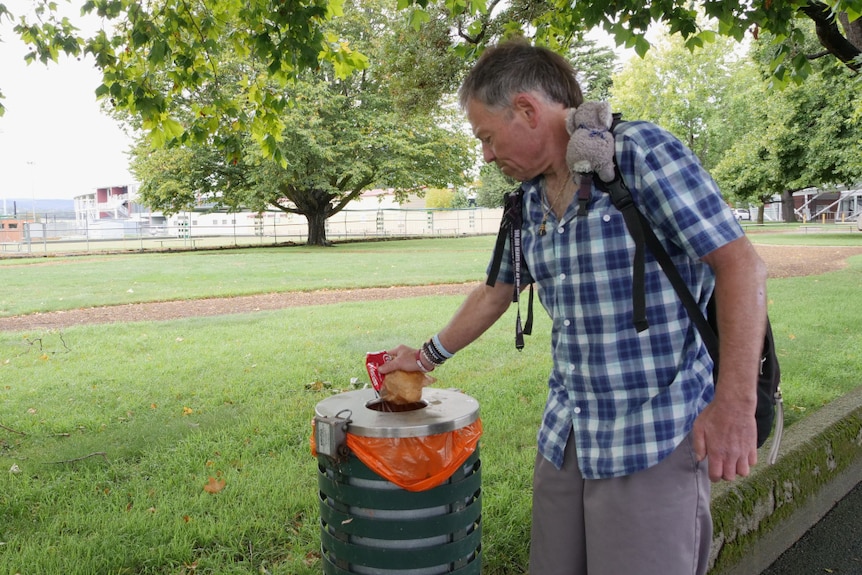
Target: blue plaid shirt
{"x": 631, "y": 397}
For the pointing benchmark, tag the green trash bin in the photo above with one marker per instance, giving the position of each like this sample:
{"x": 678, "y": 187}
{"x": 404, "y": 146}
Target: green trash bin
{"x": 371, "y": 526}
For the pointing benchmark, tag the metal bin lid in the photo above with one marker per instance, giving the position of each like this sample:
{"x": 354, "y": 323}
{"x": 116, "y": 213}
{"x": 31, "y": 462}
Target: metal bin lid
{"x": 444, "y": 410}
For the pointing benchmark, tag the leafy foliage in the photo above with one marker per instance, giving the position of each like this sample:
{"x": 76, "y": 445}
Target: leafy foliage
{"x": 595, "y": 65}
{"x": 164, "y": 62}
{"x": 757, "y": 142}
{"x": 682, "y": 91}
{"x": 439, "y": 198}
{"x": 340, "y": 136}
{"x": 806, "y": 136}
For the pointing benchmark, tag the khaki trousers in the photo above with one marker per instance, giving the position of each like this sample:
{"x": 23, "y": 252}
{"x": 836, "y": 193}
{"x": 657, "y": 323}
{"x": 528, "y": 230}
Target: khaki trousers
{"x": 654, "y": 522}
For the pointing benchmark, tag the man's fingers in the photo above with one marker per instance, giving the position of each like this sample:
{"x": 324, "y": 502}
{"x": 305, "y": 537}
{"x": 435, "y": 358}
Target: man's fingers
{"x": 698, "y": 443}
{"x": 716, "y": 469}
{"x": 403, "y": 358}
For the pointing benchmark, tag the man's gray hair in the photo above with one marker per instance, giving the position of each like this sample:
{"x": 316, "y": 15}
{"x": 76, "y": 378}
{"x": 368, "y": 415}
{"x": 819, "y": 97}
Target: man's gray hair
{"x": 515, "y": 66}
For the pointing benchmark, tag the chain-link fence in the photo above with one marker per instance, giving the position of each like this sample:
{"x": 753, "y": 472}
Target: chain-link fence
{"x": 54, "y": 234}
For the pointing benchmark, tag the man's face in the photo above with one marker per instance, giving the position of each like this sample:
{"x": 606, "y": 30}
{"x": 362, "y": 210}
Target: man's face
{"x": 505, "y": 137}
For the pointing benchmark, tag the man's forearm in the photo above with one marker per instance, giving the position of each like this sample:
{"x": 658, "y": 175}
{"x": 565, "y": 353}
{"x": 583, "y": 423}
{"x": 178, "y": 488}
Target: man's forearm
{"x": 482, "y": 308}
{"x": 740, "y": 293}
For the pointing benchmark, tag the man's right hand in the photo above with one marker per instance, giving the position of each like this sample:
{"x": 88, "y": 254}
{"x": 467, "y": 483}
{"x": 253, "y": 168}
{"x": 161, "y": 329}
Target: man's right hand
{"x": 404, "y": 359}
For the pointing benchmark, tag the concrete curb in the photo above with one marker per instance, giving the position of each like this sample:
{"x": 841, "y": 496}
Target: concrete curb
{"x": 757, "y": 519}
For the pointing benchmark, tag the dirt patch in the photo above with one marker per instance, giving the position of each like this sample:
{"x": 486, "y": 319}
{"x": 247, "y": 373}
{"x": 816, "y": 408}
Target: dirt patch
{"x": 781, "y": 261}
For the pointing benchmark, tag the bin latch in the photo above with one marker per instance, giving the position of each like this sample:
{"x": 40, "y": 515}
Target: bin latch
{"x": 330, "y": 436}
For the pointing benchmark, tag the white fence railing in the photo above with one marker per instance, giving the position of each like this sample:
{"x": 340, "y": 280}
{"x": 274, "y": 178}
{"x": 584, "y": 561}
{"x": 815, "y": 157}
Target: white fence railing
{"x": 195, "y": 230}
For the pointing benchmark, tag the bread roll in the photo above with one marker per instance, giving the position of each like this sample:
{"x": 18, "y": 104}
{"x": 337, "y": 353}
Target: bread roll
{"x": 402, "y": 387}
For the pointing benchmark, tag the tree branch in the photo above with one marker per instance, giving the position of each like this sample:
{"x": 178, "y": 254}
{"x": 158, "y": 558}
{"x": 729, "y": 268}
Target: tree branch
{"x": 94, "y": 454}
{"x": 830, "y": 35}
{"x": 486, "y": 21}
{"x": 9, "y": 429}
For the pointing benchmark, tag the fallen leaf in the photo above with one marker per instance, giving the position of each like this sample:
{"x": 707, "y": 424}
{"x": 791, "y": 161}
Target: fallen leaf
{"x": 311, "y": 558}
{"x": 188, "y": 410}
{"x": 214, "y": 485}
{"x": 318, "y": 385}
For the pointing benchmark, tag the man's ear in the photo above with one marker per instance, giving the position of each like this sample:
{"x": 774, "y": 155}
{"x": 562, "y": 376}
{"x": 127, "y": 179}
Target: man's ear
{"x": 527, "y": 106}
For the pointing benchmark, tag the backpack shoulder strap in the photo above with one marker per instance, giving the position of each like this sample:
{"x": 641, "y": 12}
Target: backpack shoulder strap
{"x": 643, "y": 235}
{"x": 511, "y": 214}
{"x": 510, "y": 228}
{"x": 622, "y": 199}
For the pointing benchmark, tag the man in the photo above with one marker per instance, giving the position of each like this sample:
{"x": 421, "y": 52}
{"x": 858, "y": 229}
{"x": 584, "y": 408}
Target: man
{"x": 633, "y": 427}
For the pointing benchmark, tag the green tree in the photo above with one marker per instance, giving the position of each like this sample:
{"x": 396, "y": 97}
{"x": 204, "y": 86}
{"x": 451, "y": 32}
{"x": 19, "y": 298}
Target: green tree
{"x": 595, "y": 66}
{"x": 837, "y": 26}
{"x": 439, "y": 198}
{"x": 160, "y": 58}
{"x": 341, "y": 137}
{"x": 492, "y": 185}
{"x": 803, "y": 136}
{"x": 192, "y": 37}
{"x": 183, "y": 178}
{"x": 685, "y": 92}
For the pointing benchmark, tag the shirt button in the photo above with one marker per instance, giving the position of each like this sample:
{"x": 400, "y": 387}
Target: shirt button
{"x": 562, "y": 276}
{"x": 577, "y": 410}
{"x": 561, "y": 229}
{"x": 567, "y": 322}
{"x": 571, "y": 367}
{"x": 606, "y": 218}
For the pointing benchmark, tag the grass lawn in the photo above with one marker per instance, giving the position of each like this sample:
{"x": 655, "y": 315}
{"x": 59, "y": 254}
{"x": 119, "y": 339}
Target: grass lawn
{"x": 111, "y": 433}
{"x": 40, "y": 284}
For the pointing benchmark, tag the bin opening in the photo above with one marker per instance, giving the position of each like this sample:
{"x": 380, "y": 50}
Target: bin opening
{"x": 382, "y": 405}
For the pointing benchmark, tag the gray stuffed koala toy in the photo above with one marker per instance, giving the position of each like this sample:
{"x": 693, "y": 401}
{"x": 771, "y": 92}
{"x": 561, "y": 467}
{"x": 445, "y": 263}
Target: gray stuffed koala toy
{"x": 591, "y": 145}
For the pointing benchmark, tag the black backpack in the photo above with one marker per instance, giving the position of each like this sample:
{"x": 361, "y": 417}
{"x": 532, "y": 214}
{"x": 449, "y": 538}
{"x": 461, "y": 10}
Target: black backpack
{"x": 770, "y": 409}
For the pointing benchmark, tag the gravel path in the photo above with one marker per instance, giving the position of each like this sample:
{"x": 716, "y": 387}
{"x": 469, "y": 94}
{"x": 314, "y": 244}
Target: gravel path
{"x": 781, "y": 261}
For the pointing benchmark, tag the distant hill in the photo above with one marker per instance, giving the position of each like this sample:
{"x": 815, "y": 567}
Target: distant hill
{"x": 10, "y": 206}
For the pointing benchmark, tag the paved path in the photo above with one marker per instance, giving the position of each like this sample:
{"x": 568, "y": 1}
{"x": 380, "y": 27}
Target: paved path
{"x": 833, "y": 545}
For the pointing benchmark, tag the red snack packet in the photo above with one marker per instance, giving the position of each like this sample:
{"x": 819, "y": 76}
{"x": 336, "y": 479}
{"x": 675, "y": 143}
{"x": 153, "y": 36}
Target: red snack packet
{"x": 373, "y": 360}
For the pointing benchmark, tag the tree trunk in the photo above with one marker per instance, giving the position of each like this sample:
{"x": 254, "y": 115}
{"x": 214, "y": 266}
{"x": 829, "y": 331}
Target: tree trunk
{"x": 787, "y": 206}
{"x": 317, "y": 228}
{"x": 853, "y": 30}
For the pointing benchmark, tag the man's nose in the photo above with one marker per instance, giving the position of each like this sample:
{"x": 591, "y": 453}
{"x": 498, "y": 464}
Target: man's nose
{"x": 488, "y": 153}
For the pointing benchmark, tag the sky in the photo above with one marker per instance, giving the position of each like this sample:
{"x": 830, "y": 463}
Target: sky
{"x": 55, "y": 142}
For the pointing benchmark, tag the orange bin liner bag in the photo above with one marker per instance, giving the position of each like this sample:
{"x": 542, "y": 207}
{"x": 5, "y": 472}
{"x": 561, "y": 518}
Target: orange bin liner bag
{"x": 416, "y": 463}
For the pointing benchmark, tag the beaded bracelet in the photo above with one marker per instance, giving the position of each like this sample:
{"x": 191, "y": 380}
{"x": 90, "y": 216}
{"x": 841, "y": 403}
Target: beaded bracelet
{"x": 430, "y": 353}
{"x": 428, "y": 358}
{"x": 422, "y": 367}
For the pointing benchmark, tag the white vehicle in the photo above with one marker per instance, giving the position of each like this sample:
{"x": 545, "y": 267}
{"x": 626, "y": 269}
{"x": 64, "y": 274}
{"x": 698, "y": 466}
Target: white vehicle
{"x": 742, "y": 214}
